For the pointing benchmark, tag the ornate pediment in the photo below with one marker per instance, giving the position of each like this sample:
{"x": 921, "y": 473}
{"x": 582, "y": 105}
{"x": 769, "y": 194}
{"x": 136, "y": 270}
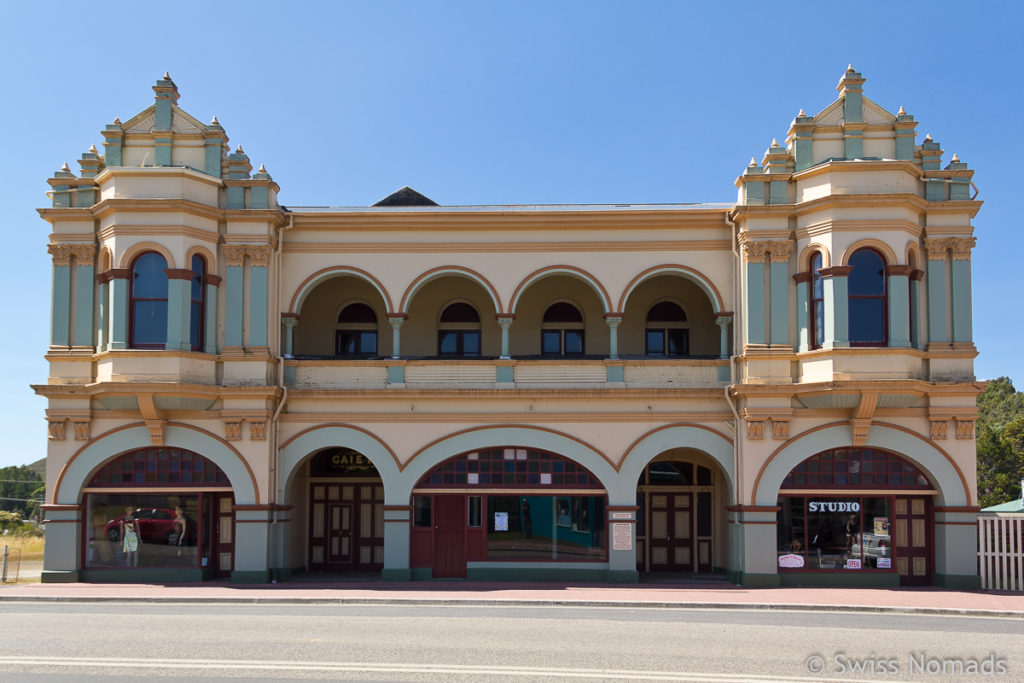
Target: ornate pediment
{"x": 832, "y": 115}
{"x": 183, "y": 122}
{"x": 872, "y": 113}
{"x": 142, "y": 122}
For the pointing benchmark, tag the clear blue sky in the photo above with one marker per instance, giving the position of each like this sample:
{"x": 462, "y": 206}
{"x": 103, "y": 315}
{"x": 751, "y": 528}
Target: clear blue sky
{"x": 492, "y": 103}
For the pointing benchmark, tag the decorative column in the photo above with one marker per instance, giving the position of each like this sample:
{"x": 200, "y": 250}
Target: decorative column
{"x": 899, "y": 305}
{"x": 803, "y": 310}
{"x": 396, "y": 320}
{"x": 754, "y": 253}
{"x": 915, "y": 308}
{"x": 505, "y": 323}
{"x": 211, "y": 283}
{"x": 118, "y": 306}
{"x": 60, "y": 302}
{"x": 723, "y": 320}
{"x": 613, "y": 320}
{"x": 179, "y": 309}
{"x": 85, "y": 278}
{"x": 961, "y": 273}
{"x": 779, "y": 295}
{"x": 103, "y": 317}
{"x": 938, "y": 305}
{"x": 259, "y": 258}
{"x": 234, "y": 302}
{"x": 837, "y": 306}
{"x": 289, "y": 320}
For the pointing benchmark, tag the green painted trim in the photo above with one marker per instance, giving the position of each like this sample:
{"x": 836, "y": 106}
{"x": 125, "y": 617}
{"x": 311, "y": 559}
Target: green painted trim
{"x": 291, "y": 375}
{"x": 779, "y": 192}
{"x": 179, "y": 318}
{"x": 961, "y": 272}
{"x": 103, "y": 323}
{"x": 905, "y": 146}
{"x": 422, "y": 573}
{"x": 935, "y": 191}
{"x": 616, "y": 373}
{"x": 210, "y": 342}
{"x": 967, "y": 582}
{"x": 755, "y": 303}
{"x": 142, "y": 575}
{"x": 163, "y": 112}
{"x": 837, "y": 311}
{"x": 119, "y": 313}
{"x": 899, "y": 311}
{"x": 235, "y": 198}
{"x": 853, "y": 145}
{"x": 505, "y": 374}
{"x": 724, "y": 375}
{"x": 853, "y": 106}
{"x": 754, "y": 193}
{"x": 756, "y": 580}
{"x": 233, "y": 306}
{"x": 163, "y": 153}
{"x": 839, "y": 577}
{"x": 112, "y": 154}
{"x": 60, "y": 307}
{"x": 396, "y": 575}
{"x": 396, "y": 374}
{"x": 804, "y": 150}
{"x": 915, "y": 320}
{"x": 250, "y": 576}
{"x": 213, "y": 157}
{"x": 779, "y": 274}
{"x": 803, "y": 316}
{"x": 937, "y": 307}
{"x": 85, "y": 280}
{"x": 535, "y": 574}
{"x": 258, "y": 279}
{"x": 259, "y": 197}
{"x": 622, "y": 576}
{"x": 59, "y": 576}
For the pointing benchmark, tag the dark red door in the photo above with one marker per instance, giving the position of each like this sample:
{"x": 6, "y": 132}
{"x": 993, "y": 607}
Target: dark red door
{"x": 449, "y": 537}
{"x": 222, "y": 533}
{"x": 911, "y": 521}
{"x": 671, "y": 528}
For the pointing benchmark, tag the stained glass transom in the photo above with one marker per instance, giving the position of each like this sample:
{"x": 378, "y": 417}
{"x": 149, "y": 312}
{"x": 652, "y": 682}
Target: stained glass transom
{"x": 858, "y": 468}
{"x": 504, "y": 467}
{"x": 160, "y": 466}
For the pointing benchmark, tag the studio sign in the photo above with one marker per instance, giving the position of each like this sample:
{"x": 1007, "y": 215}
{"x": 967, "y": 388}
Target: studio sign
{"x": 832, "y": 506}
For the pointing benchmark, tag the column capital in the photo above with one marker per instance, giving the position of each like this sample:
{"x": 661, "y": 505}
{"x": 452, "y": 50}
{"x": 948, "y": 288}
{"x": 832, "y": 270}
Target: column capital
{"x": 61, "y": 254}
{"x": 290, "y": 319}
{"x": 505, "y": 322}
{"x": 780, "y": 251}
{"x": 754, "y": 251}
{"x": 962, "y": 248}
{"x": 259, "y": 256}
{"x": 936, "y": 247}
{"x": 85, "y": 254}
{"x": 723, "y": 321}
{"x": 396, "y": 320}
{"x": 612, "y": 320}
{"x": 234, "y": 254}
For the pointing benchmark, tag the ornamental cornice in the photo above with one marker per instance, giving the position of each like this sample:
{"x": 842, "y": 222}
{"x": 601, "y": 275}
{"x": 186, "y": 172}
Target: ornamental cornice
{"x": 234, "y": 254}
{"x": 259, "y": 256}
{"x": 85, "y": 254}
{"x": 61, "y": 254}
{"x": 754, "y": 252}
{"x": 937, "y": 247}
{"x": 780, "y": 251}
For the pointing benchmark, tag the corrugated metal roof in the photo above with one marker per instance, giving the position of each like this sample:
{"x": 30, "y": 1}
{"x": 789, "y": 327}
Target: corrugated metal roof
{"x": 1012, "y": 506}
{"x": 511, "y": 208}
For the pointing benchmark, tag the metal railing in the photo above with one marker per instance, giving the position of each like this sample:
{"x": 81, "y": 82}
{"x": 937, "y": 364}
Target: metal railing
{"x": 11, "y": 557}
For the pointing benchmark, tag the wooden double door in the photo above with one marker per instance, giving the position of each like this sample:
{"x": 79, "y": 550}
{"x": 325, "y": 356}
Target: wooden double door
{"x": 912, "y": 527}
{"x": 346, "y": 526}
{"x": 679, "y": 531}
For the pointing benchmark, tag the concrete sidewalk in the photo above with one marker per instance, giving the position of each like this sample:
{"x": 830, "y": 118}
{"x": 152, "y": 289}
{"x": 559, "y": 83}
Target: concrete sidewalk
{"x": 683, "y": 595}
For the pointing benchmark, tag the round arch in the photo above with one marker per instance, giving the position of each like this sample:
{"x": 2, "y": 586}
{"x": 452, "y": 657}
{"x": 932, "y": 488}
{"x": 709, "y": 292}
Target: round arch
{"x": 936, "y": 463}
{"x": 657, "y": 441}
{"x": 133, "y": 251}
{"x": 441, "y": 271}
{"x": 199, "y": 250}
{"x": 805, "y": 255}
{"x": 512, "y": 435}
{"x": 311, "y": 283}
{"x": 878, "y": 245}
{"x": 695, "y": 276}
{"x": 80, "y": 468}
{"x": 298, "y": 448}
{"x": 571, "y": 271}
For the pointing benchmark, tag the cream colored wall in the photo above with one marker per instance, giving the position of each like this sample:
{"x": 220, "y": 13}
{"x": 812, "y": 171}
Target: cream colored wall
{"x": 524, "y": 337}
{"x": 419, "y": 332}
{"x": 705, "y": 335}
{"x": 314, "y": 335}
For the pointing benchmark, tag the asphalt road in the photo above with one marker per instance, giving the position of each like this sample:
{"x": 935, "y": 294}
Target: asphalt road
{"x": 104, "y": 641}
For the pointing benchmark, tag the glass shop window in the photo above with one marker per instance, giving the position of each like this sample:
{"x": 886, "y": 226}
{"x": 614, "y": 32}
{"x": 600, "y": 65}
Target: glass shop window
{"x": 151, "y": 530}
{"x": 545, "y": 528}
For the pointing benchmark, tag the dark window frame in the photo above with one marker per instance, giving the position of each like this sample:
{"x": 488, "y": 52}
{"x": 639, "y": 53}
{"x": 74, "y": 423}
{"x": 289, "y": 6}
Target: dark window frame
{"x": 883, "y": 298}
{"x": 816, "y": 300}
{"x": 197, "y": 331}
{"x": 133, "y": 300}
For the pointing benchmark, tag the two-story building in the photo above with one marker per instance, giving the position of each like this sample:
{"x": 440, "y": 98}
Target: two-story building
{"x": 780, "y": 390}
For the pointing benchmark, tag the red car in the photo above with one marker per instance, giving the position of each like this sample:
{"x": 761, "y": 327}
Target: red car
{"x": 155, "y": 525}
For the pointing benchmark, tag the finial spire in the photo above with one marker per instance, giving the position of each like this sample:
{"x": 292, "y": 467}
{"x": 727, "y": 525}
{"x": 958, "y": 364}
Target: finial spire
{"x": 753, "y": 161}
{"x": 928, "y": 138}
{"x": 214, "y": 121}
{"x": 92, "y": 148}
{"x": 167, "y": 76}
{"x": 65, "y": 168}
{"x": 902, "y": 111}
{"x": 956, "y": 159}
{"x": 117, "y": 121}
{"x": 239, "y": 150}
{"x": 262, "y": 169}
{"x": 775, "y": 142}
{"x": 802, "y": 114}
{"x": 849, "y": 67}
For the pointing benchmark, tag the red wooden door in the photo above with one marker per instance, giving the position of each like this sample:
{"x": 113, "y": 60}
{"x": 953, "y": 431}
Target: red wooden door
{"x": 911, "y": 540}
{"x": 222, "y": 533}
{"x": 671, "y": 532}
{"x": 449, "y": 537}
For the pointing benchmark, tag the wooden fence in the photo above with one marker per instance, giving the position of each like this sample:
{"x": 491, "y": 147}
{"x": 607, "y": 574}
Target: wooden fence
{"x": 1001, "y": 552}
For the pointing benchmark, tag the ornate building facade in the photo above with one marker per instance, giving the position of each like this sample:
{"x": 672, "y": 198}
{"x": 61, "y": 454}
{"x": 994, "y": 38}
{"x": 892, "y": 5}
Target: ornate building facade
{"x": 779, "y": 390}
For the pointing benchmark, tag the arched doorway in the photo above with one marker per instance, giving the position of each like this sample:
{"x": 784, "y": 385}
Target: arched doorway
{"x": 507, "y": 507}
{"x": 679, "y": 521}
{"x": 857, "y": 512}
{"x": 346, "y": 512}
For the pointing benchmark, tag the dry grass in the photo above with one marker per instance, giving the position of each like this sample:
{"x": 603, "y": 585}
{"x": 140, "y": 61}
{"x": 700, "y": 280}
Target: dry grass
{"x": 31, "y": 548}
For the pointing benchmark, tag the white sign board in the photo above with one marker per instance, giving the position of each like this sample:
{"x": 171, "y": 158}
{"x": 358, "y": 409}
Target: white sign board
{"x": 501, "y": 521}
{"x": 622, "y": 536}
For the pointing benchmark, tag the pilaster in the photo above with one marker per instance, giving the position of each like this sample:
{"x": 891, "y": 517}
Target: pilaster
{"x": 960, "y": 270}
{"x": 60, "y": 302}
{"x": 258, "y": 295}
{"x": 779, "y": 295}
{"x": 754, "y": 255}
{"x": 938, "y": 305}
{"x": 179, "y": 313}
{"x": 234, "y": 299}
{"x": 837, "y": 306}
{"x": 899, "y": 305}
{"x": 85, "y": 278}
{"x": 803, "y": 311}
{"x": 212, "y": 283}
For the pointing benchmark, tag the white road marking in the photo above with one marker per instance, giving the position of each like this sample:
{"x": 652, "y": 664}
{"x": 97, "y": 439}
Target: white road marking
{"x": 109, "y": 663}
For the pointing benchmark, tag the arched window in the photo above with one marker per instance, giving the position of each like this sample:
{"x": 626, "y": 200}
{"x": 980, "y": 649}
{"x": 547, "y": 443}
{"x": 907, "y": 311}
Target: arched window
{"x": 197, "y": 328}
{"x": 912, "y": 304}
{"x": 666, "y": 330}
{"x": 561, "y": 331}
{"x": 817, "y": 322}
{"x": 458, "y": 334}
{"x": 867, "y": 297}
{"x": 356, "y": 334}
{"x": 148, "y": 302}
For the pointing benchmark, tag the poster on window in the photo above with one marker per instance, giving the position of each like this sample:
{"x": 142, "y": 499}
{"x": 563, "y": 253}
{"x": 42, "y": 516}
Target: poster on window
{"x": 501, "y": 521}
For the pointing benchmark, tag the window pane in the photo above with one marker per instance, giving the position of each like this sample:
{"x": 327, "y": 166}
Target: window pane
{"x": 470, "y": 343}
{"x": 150, "y": 320}
{"x": 819, "y": 323}
{"x": 198, "y": 270}
{"x": 574, "y": 341}
{"x": 149, "y": 281}
{"x": 368, "y": 343}
{"x": 867, "y": 320}
{"x": 678, "y": 342}
{"x": 551, "y": 341}
{"x": 195, "y": 329}
{"x": 447, "y": 342}
{"x": 151, "y": 530}
{"x": 656, "y": 342}
{"x": 421, "y": 511}
{"x": 545, "y": 527}
{"x": 474, "y": 511}
{"x": 868, "y": 274}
